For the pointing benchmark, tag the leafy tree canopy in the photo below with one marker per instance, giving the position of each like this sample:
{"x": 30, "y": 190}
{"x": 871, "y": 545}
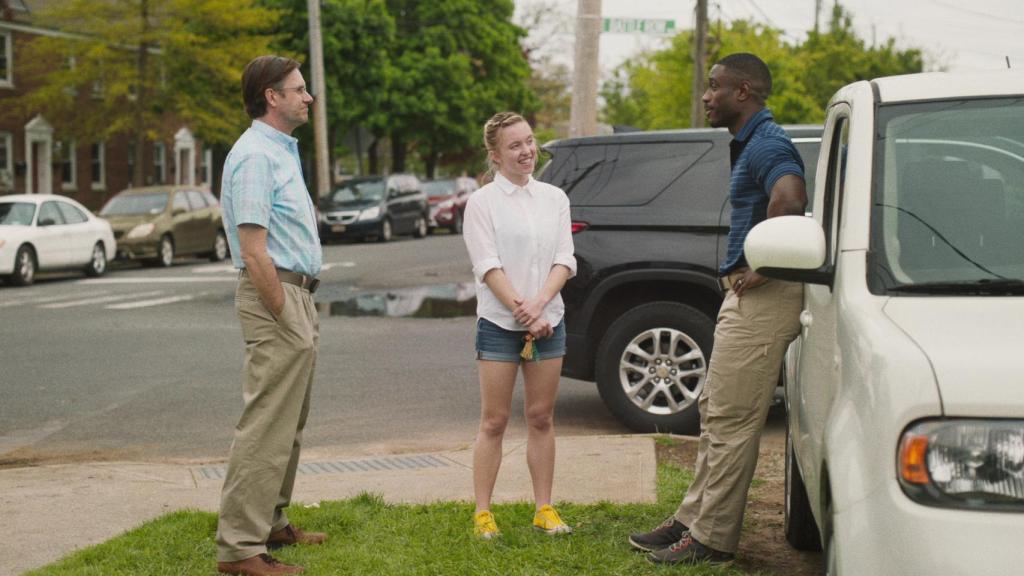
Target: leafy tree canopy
{"x": 652, "y": 91}
{"x": 124, "y": 64}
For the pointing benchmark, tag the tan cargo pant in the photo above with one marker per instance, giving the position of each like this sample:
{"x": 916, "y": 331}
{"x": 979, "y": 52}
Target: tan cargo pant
{"x": 751, "y": 338}
{"x": 280, "y": 356}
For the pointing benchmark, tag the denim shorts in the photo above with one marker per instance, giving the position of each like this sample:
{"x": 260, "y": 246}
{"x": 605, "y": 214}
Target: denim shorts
{"x": 495, "y": 343}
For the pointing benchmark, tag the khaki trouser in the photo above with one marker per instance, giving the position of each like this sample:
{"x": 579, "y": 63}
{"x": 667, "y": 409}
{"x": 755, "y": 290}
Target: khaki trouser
{"x": 280, "y": 356}
{"x": 751, "y": 337}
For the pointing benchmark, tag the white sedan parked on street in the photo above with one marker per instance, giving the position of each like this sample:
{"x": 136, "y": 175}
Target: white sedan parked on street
{"x": 50, "y": 232}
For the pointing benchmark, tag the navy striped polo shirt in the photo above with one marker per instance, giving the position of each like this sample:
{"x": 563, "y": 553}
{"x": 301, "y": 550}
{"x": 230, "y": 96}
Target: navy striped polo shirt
{"x": 760, "y": 154}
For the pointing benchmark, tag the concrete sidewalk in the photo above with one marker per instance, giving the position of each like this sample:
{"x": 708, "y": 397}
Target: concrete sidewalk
{"x": 50, "y": 511}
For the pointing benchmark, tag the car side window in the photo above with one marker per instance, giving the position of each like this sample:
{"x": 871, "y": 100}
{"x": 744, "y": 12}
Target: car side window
{"x": 180, "y": 201}
{"x": 49, "y": 214}
{"x": 72, "y": 215}
{"x": 835, "y": 180}
{"x": 196, "y": 200}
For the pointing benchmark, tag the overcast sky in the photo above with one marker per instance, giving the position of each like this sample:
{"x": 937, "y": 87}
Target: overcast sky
{"x": 955, "y": 35}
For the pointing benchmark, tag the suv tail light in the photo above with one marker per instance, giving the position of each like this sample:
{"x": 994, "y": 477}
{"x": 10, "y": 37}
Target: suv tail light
{"x": 579, "y": 226}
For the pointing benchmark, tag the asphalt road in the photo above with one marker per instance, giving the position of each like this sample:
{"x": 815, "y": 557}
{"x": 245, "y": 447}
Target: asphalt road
{"x": 145, "y": 363}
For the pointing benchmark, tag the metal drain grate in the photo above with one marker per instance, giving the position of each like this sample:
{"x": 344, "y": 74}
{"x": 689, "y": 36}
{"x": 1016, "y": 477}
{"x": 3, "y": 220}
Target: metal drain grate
{"x": 417, "y": 462}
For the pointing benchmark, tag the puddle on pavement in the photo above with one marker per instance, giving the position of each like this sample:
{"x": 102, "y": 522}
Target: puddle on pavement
{"x": 440, "y": 301}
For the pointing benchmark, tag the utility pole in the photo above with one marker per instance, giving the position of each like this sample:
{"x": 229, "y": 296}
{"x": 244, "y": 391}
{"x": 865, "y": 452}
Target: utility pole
{"x": 700, "y": 37}
{"x": 817, "y": 14}
{"x": 583, "y": 115}
{"x": 316, "y": 65}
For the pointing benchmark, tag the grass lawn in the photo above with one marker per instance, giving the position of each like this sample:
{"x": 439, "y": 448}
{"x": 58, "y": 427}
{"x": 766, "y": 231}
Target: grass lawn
{"x": 369, "y": 536}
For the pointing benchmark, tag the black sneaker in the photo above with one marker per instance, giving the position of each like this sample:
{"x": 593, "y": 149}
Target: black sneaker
{"x": 663, "y": 536}
{"x": 688, "y": 551}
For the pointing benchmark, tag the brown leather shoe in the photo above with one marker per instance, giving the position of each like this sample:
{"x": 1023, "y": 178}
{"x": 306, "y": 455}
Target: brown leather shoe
{"x": 291, "y": 535}
{"x": 259, "y": 565}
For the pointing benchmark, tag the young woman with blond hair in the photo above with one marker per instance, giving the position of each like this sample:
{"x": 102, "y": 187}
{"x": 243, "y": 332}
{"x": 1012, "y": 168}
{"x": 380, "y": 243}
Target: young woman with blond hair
{"x": 518, "y": 234}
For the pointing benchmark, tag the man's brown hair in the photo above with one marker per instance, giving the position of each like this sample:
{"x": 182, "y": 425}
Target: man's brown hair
{"x": 261, "y": 73}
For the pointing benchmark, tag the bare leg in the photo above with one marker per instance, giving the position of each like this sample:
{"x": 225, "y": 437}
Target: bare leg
{"x": 497, "y": 381}
{"x": 541, "y": 389}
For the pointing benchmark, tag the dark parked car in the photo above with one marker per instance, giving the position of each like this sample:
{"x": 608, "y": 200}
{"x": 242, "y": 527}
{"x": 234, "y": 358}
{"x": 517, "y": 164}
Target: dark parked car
{"x": 447, "y": 199}
{"x": 650, "y": 215}
{"x": 375, "y": 207}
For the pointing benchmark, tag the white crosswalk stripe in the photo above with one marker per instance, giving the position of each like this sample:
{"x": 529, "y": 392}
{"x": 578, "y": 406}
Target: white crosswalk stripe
{"x": 100, "y": 299}
{"x": 153, "y": 302}
{"x": 159, "y": 280}
{"x": 30, "y": 301}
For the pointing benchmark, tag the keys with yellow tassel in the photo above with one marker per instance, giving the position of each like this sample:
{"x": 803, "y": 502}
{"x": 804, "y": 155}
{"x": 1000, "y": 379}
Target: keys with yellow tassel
{"x": 529, "y": 351}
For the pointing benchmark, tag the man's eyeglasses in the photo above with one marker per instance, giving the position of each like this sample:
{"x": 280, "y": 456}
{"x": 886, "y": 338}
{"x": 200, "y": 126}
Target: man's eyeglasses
{"x": 300, "y": 90}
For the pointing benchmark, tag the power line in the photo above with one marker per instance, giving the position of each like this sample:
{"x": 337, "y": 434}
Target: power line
{"x": 1002, "y": 19}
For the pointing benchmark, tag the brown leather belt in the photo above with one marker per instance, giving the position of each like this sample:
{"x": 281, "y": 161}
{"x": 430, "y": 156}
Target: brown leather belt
{"x": 301, "y": 280}
{"x": 728, "y": 282}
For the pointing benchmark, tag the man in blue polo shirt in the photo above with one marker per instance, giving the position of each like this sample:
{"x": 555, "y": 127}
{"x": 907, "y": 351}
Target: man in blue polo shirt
{"x": 272, "y": 231}
{"x": 758, "y": 319}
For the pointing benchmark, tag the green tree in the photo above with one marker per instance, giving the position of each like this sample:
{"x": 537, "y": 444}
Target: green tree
{"x": 652, "y": 91}
{"x": 454, "y": 63}
{"x": 126, "y": 64}
{"x": 357, "y": 36}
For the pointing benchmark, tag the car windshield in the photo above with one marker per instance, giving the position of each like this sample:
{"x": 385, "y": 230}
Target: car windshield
{"x": 948, "y": 199}
{"x": 128, "y": 204}
{"x": 17, "y": 213}
{"x": 437, "y": 188}
{"x": 371, "y": 190}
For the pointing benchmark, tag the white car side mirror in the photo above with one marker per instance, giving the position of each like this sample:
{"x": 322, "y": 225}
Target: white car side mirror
{"x": 786, "y": 242}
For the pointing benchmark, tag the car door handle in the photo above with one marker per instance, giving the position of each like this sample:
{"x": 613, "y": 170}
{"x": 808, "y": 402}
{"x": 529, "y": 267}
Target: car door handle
{"x": 806, "y": 318}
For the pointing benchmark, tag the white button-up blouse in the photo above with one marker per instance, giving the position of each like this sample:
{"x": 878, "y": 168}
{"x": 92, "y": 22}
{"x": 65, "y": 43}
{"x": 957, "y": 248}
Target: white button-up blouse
{"x": 524, "y": 230}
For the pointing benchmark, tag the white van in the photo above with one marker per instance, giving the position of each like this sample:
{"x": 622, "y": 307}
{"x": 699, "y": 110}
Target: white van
{"x": 906, "y": 388}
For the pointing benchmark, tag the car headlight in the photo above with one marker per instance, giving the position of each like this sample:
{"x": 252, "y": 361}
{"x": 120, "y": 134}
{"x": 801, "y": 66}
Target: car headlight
{"x": 964, "y": 463}
{"x": 447, "y": 204}
{"x": 370, "y": 213}
{"x": 142, "y": 230}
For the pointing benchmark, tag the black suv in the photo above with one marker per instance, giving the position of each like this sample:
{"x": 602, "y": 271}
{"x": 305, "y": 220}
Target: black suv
{"x": 650, "y": 216}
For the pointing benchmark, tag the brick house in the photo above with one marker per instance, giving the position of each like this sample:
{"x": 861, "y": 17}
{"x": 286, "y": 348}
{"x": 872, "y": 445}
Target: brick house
{"x": 35, "y": 158}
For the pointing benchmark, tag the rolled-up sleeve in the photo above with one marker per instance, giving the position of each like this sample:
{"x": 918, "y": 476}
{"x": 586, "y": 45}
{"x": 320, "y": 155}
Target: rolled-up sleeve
{"x": 478, "y": 233}
{"x": 252, "y": 181}
{"x": 565, "y": 251}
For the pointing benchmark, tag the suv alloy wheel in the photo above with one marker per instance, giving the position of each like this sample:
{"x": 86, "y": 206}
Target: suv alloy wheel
{"x": 652, "y": 365}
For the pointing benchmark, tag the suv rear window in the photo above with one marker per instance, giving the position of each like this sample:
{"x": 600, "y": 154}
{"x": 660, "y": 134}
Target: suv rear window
{"x": 610, "y": 174}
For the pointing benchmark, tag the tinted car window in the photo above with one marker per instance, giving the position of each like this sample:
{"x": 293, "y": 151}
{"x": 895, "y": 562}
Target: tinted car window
{"x": 71, "y": 214}
{"x": 135, "y": 204}
{"x": 439, "y": 188}
{"x": 359, "y": 191}
{"x": 50, "y": 211}
{"x": 16, "y": 213}
{"x": 607, "y": 175}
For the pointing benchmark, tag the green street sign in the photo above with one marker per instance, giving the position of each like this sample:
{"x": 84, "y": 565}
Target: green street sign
{"x": 652, "y": 26}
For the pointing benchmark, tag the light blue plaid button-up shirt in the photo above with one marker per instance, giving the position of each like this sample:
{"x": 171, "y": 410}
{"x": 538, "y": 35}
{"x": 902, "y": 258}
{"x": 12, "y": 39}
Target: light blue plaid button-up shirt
{"x": 263, "y": 185}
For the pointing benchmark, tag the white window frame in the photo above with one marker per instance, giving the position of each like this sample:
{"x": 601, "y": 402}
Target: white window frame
{"x": 102, "y": 147}
{"x": 206, "y": 166}
{"x": 159, "y": 163}
{"x": 69, "y": 149}
{"x": 7, "y": 75}
{"x": 7, "y": 168}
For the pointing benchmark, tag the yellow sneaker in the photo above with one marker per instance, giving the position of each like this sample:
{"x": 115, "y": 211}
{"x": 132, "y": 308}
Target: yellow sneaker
{"x": 549, "y": 522}
{"x": 484, "y": 526}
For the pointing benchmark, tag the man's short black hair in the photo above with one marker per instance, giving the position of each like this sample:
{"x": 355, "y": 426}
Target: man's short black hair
{"x": 746, "y": 66}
